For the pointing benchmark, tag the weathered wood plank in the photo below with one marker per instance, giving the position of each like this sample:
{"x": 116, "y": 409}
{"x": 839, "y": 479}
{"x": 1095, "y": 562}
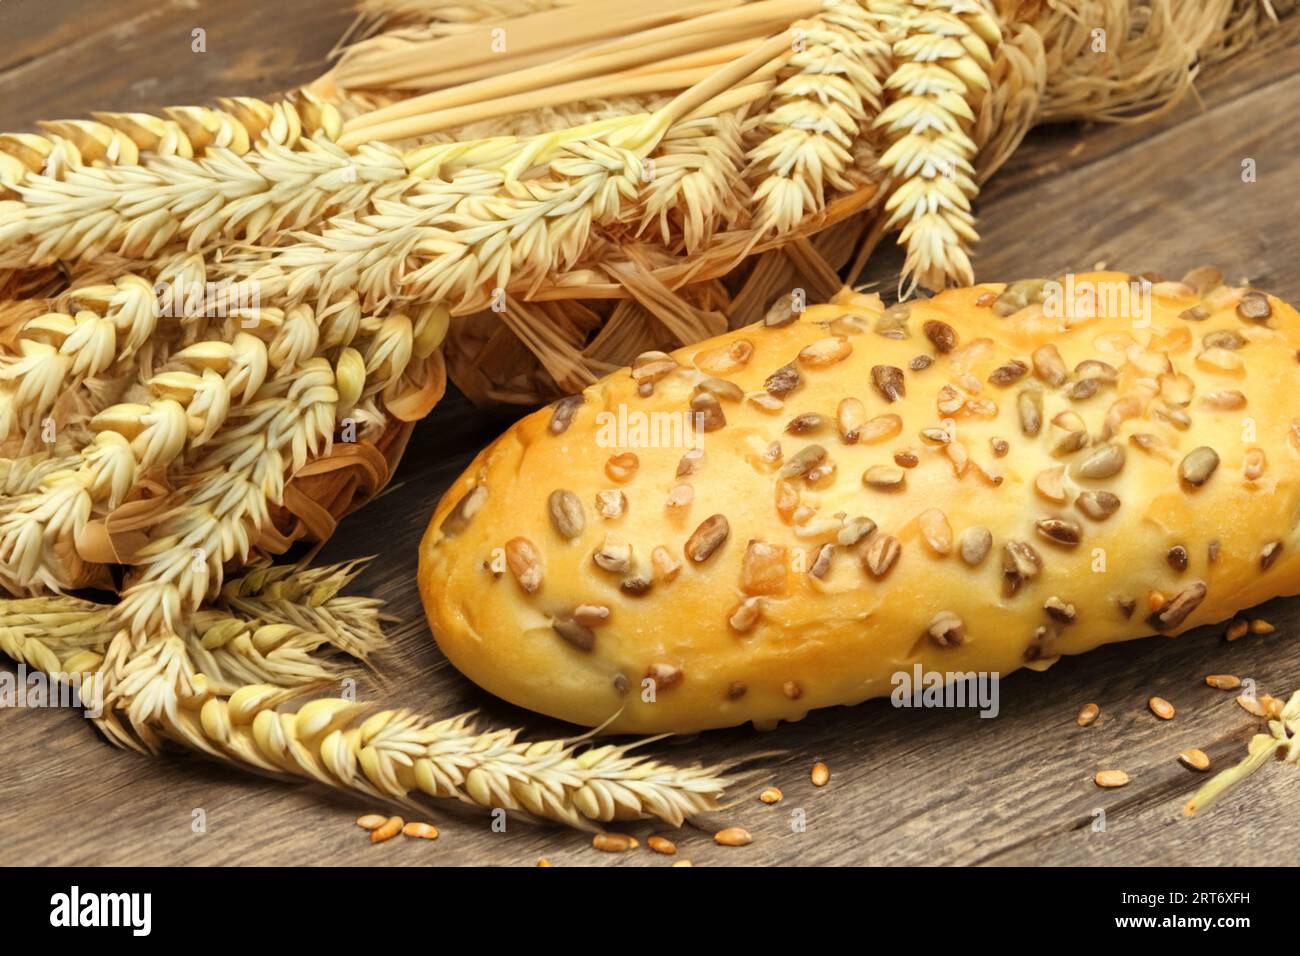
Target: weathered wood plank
{"x": 64, "y": 58}
{"x": 907, "y": 786}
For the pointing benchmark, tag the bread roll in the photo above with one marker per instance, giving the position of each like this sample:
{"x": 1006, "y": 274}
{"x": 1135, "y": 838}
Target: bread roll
{"x": 981, "y": 481}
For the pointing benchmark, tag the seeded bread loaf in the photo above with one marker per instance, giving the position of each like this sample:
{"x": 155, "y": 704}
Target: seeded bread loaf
{"x": 980, "y": 481}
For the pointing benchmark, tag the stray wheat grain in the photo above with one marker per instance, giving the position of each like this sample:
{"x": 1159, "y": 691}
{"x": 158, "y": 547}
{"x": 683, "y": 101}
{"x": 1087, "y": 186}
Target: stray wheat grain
{"x": 613, "y": 842}
{"x": 733, "y": 836}
{"x": 662, "y": 845}
{"x": 1251, "y": 705}
{"x": 390, "y": 828}
{"x": 1161, "y": 708}
{"x": 1223, "y": 681}
{"x": 1194, "y": 758}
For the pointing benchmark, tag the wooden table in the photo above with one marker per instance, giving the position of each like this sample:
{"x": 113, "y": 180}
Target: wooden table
{"x": 936, "y": 786}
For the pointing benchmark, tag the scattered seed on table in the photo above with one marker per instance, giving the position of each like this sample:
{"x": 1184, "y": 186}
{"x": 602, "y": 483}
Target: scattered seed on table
{"x": 543, "y": 861}
{"x": 1111, "y": 778}
{"x": 683, "y": 863}
{"x": 733, "y": 836}
{"x": 372, "y": 821}
{"x": 1250, "y": 705}
{"x": 1237, "y": 629}
{"x": 420, "y": 831}
{"x": 1087, "y": 715}
{"x": 1271, "y": 706}
{"x": 1260, "y": 626}
{"x": 662, "y": 845}
{"x": 1161, "y": 708}
{"x": 771, "y": 795}
{"x": 1223, "y": 681}
{"x": 1194, "y": 758}
{"x": 821, "y": 774}
{"x": 389, "y": 829}
{"x": 613, "y": 842}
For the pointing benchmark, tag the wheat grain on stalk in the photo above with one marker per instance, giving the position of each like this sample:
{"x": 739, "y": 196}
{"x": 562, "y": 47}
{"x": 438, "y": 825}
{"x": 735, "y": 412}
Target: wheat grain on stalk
{"x": 178, "y": 437}
{"x": 218, "y": 688}
{"x": 610, "y": 179}
{"x": 134, "y": 184}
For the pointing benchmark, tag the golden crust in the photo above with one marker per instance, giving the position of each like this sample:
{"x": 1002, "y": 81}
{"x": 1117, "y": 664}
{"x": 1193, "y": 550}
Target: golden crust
{"x": 841, "y": 638}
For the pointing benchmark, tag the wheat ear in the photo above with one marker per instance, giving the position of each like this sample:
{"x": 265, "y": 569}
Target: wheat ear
{"x": 159, "y": 690}
{"x": 120, "y": 139}
{"x": 225, "y": 420}
{"x": 266, "y": 626}
{"x": 818, "y": 111}
{"x": 398, "y": 754}
{"x": 479, "y": 226}
{"x": 226, "y": 491}
{"x": 942, "y": 52}
{"x": 698, "y": 182}
{"x": 57, "y": 352}
{"x": 412, "y": 251}
{"x": 224, "y": 499}
{"x": 249, "y": 171}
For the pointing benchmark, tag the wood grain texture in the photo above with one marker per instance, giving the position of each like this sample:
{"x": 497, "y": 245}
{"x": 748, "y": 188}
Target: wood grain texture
{"x": 907, "y": 786}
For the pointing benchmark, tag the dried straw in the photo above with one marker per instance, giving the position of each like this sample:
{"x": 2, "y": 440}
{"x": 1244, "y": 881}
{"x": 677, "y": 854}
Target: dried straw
{"x": 1121, "y": 61}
